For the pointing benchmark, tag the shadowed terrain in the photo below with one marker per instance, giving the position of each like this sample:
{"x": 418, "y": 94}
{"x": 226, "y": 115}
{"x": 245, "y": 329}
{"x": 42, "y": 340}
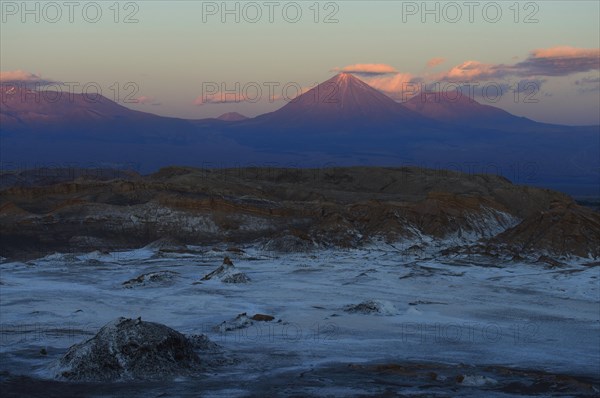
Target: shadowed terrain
{"x": 293, "y": 209}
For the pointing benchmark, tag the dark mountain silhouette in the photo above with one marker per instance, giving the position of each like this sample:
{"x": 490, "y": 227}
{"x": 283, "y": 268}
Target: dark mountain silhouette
{"x": 53, "y": 129}
{"x": 342, "y": 122}
{"x": 46, "y": 112}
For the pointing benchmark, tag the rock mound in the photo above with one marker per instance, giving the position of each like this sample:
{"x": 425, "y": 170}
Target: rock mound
{"x": 290, "y": 242}
{"x": 239, "y": 322}
{"x": 371, "y": 307}
{"x": 227, "y": 273}
{"x": 158, "y": 278}
{"x": 242, "y": 321}
{"x": 563, "y": 230}
{"x": 127, "y": 349}
{"x": 263, "y": 318}
{"x": 202, "y": 342}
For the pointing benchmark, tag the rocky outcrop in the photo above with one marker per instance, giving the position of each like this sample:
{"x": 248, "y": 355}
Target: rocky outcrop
{"x": 227, "y": 273}
{"x": 370, "y": 307}
{"x": 564, "y": 229}
{"x": 242, "y": 321}
{"x": 158, "y": 278}
{"x": 262, "y": 318}
{"x": 127, "y": 349}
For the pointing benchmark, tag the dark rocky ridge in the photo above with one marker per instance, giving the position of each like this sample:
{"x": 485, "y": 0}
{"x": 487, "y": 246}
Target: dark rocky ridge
{"x": 563, "y": 228}
{"x": 341, "y": 207}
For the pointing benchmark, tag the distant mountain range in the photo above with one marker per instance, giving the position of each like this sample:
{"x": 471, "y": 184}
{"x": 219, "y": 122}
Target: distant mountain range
{"x": 342, "y": 122}
{"x": 458, "y": 108}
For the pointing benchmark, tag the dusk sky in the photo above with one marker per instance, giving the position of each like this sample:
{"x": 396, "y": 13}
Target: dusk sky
{"x": 175, "y": 48}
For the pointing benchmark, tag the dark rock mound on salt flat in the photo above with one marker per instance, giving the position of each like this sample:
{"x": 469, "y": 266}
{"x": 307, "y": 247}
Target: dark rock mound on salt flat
{"x": 373, "y": 307}
{"x": 562, "y": 229}
{"x": 242, "y": 321}
{"x": 158, "y": 278}
{"x": 262, "y": 318}
{"x": 127, "y": 349}
{"x": 227, "y": 273}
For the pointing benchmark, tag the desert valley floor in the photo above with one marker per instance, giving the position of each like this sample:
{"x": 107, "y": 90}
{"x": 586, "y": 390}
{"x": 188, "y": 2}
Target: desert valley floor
{"x": 376, "y": 321}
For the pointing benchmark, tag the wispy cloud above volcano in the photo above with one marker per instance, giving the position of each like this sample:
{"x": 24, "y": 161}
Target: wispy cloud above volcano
{"x": 539, "y": 66}
{"x": 560, "y": 61}
{"x": 22, "y": 77}
{"x": 367, "y": 69}
{"x": 555, "y": 61}
{"x": 433, "y": 62}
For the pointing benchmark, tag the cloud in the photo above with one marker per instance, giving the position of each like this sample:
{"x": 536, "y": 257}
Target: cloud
{"x": 200, "y": 100}
{"x": 520, "y": 77}
{"x": 367, "y": 69}
{"x": 146, "y": 100}
{"x": 470, "y": 71}
{"x": 559, "y": 61}
{"x": 554, "y": 61}
{"x": 22, "y": 77}
{"x": 588, "y": 80}
{"x": 588, "y": 84}
{"x": 566, "y": 52}
{"x": 394, "y": 85}
{"x": 435, "y": 62}
{"x": 526, "y": 76}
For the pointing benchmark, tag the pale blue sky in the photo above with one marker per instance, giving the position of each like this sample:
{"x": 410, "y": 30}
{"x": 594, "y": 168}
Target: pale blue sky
{"x": 170, "y": 52}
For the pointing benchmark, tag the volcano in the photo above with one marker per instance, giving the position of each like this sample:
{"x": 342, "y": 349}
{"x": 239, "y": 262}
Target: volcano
{"x": 460, "y": 109}
{"x": 344, "y": 98}
{"x": 341, "y": 116}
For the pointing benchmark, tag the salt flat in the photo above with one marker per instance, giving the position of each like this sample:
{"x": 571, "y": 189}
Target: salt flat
{"x": 432, "y": 309}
